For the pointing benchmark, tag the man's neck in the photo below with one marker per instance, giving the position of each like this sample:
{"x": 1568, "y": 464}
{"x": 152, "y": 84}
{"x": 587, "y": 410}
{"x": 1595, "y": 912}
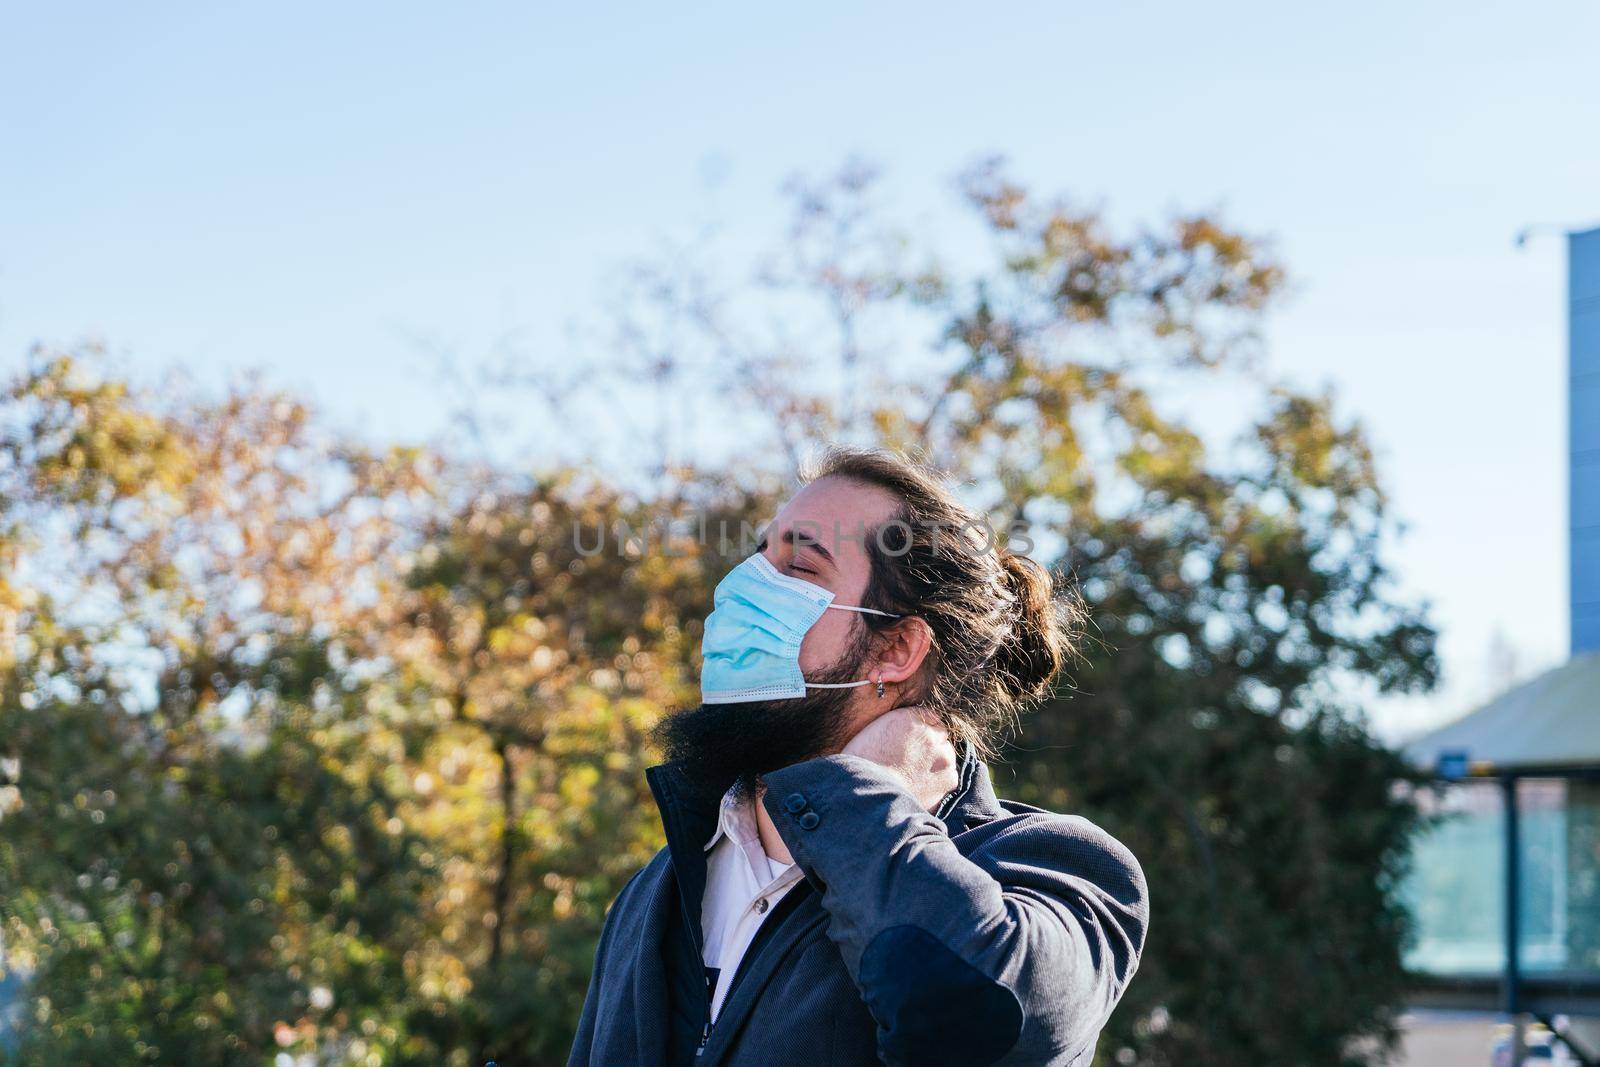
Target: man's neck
{"x": 771, "y": 842}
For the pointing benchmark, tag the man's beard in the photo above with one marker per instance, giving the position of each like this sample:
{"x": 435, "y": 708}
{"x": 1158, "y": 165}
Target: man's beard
{"x": 719, "y": 745}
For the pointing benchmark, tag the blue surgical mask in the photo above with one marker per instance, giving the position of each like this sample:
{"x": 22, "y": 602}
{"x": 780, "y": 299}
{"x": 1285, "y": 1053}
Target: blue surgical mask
{"x": 751, "y": 649}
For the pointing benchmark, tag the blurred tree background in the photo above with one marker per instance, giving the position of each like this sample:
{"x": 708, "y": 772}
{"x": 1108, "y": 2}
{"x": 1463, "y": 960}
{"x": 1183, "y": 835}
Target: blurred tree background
{"x": 314, "y": 751}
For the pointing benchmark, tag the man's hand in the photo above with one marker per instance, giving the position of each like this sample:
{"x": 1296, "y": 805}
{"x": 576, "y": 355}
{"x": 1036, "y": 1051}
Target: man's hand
{"x": 913, "y": 744}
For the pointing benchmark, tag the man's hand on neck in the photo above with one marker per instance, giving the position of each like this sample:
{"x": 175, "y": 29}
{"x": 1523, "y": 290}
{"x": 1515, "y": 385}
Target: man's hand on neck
{"x": 913, "y": 743}
{"x": 908, "y": 741}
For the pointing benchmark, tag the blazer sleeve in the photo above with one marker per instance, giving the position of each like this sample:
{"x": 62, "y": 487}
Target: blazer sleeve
{"x": 1018, "y": 952}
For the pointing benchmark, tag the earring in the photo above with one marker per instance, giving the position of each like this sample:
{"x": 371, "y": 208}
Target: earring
{"x": 880, "y": 687}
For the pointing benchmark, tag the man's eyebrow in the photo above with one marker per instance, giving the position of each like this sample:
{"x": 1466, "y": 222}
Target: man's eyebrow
{"x": 804, "y": 540}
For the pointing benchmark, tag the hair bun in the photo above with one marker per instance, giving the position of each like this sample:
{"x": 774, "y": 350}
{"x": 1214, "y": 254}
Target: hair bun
{"x": 1038, "y": 645}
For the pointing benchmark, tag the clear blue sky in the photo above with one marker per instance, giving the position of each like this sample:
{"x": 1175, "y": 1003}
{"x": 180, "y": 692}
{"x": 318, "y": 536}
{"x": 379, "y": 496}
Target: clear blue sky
{"x": 306, "y": 187}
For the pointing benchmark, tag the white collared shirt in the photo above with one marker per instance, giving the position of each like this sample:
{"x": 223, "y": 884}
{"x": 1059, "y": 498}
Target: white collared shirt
{"x": 743, "y": 884}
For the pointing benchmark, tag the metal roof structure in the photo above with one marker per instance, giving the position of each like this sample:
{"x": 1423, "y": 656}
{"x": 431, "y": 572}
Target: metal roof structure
{"x": 1551, "y": 723}
{"x": 1545, "y": 728}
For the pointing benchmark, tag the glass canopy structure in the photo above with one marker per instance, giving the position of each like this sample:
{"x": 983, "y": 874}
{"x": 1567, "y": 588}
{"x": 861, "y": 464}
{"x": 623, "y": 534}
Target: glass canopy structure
{"x": 1505, "y": 885}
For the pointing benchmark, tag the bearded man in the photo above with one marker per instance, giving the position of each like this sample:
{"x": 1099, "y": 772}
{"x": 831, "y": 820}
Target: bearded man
{"x": 840, "y": 884}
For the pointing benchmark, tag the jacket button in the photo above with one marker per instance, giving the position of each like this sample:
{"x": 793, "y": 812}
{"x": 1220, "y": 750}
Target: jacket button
{"x": 809, "y": 820}
{"x": 795, "y": 802}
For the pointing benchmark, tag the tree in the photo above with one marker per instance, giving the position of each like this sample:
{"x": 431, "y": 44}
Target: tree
{"x": 337, "y": 751}
{"x": 200, "y": 846}
{"x": 319, "y": 750}
{"x": 553, "y": 621}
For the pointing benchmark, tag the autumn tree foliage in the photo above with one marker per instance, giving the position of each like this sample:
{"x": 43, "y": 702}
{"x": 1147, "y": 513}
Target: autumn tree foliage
{"x": 318, "y": 748}
{"x": 311, "y": 749}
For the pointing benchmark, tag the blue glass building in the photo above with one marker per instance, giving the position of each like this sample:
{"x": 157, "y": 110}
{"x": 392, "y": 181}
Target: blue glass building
{"x": 1583, "y": 435}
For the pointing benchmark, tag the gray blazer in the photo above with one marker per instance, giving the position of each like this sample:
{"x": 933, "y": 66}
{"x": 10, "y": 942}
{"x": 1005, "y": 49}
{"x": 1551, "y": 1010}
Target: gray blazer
{"x": 985, "y": 932}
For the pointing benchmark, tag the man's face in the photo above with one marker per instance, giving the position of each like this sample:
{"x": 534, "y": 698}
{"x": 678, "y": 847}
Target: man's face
{"x": 819, "y": 537}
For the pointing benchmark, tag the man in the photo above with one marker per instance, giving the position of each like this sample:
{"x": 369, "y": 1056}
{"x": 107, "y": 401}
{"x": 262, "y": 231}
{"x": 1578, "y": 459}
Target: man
{"x": 840, "y": 885}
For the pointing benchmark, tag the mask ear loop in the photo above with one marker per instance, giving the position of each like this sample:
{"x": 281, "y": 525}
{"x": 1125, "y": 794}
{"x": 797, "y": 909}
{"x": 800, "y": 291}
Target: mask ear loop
{"x": 853, "y": 685}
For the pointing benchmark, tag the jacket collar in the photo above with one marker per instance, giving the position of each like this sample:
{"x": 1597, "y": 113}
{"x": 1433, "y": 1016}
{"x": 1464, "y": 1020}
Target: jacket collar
{"x": 690, "y": 807}
{"x": 972, "y": 802}
{"x": 689, "y": 810}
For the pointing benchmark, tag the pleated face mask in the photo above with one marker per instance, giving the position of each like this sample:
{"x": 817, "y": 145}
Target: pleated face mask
{"x": 751, "y": 648}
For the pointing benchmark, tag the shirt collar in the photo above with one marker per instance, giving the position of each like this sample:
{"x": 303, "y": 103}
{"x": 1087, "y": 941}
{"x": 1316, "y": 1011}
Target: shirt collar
{"x": 736, "y": 820}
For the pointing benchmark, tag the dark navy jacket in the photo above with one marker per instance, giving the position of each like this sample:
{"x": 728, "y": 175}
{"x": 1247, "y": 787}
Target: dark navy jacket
{"x": 985, "y": 932}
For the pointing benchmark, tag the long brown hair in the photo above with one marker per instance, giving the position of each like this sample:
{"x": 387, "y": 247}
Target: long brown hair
{"x": 1002, "y": 628}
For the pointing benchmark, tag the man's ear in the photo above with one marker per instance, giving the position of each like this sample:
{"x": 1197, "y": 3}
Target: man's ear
{"x": 902, "y": 649}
